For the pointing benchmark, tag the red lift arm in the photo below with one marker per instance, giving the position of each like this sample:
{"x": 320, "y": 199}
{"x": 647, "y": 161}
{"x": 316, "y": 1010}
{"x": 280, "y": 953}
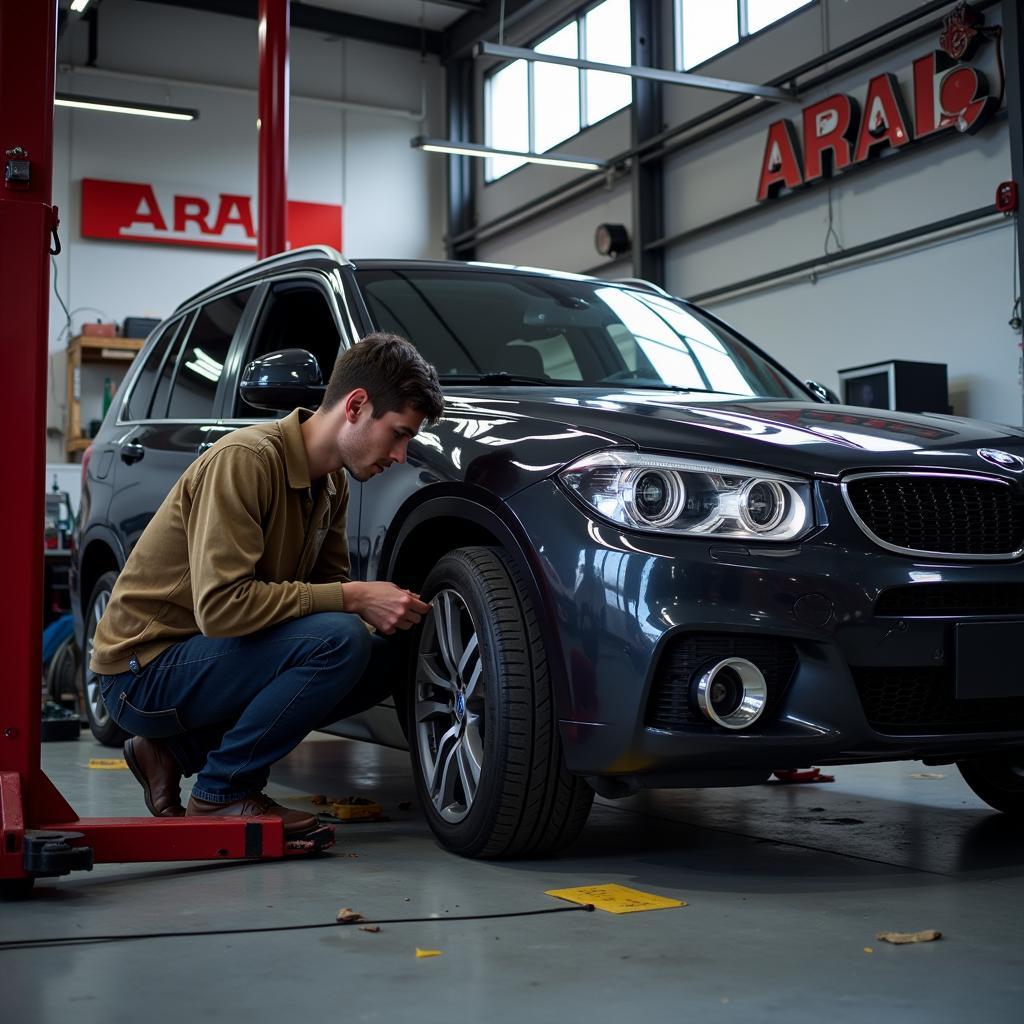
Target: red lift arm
{"x": 40, "y": 834}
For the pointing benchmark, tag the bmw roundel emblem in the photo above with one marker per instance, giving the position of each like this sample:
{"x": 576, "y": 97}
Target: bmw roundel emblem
{"x": 460, "y": 707}
{"x": 1004, "y": 460}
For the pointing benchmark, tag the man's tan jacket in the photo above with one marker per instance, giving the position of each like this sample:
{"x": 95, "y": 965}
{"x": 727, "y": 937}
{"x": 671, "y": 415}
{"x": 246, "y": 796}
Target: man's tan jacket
{"x": 238, "y": 545}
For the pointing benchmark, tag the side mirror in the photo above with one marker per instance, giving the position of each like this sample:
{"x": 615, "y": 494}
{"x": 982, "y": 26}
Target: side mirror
{"x": 822, "y": 393}
{"x": 283, "y": 380}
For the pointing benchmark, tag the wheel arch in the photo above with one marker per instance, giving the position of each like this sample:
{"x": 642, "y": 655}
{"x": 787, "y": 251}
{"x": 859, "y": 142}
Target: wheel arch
{"x": 100, "y": 554}
{"x": 439, "y": 524}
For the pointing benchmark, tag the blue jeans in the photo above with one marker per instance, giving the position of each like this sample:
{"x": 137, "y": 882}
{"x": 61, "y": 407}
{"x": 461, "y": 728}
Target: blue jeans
{"x": 230, "y": 708}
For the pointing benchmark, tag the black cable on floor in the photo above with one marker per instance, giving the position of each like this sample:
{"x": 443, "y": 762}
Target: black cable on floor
{"x": 88, "y": 940}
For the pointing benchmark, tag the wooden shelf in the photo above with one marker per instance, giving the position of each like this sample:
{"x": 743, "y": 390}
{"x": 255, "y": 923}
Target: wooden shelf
{"x": 88, "y": 350}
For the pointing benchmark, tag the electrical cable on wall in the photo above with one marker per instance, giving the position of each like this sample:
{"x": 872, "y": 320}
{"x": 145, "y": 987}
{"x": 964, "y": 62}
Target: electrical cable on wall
{"x": 831, "y": 230}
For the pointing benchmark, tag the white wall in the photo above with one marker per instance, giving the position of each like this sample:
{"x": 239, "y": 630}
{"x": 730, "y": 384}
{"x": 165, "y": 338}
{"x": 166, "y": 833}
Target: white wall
{"x": 392, "y": 196}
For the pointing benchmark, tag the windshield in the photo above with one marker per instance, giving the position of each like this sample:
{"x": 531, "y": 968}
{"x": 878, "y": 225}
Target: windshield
{"x": 547, "y": 330}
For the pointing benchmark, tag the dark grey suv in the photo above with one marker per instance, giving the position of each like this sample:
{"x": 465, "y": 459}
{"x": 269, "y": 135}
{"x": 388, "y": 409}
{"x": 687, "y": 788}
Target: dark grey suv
{"x": 655, "y": 558}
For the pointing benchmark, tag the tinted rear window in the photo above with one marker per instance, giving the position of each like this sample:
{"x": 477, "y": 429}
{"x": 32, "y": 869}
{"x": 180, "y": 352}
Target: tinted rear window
{"x": 201, "y": 360}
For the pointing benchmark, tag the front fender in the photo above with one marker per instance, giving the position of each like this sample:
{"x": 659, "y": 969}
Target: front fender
{"x": 481, "y": 515}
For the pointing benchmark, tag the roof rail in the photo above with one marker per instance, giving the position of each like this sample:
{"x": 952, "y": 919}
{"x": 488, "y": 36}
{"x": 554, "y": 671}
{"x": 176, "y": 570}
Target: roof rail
{"x": 639, "y": 282}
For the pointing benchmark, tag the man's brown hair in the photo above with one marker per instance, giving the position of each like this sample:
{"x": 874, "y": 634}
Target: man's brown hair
{"x": 392, "y": 373}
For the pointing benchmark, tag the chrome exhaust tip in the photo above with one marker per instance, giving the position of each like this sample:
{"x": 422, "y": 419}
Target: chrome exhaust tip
{"x": 732, "y": 693}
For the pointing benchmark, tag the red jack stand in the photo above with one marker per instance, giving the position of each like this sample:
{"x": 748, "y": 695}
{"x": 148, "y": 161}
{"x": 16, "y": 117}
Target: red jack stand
{"x": 40, "y": 834}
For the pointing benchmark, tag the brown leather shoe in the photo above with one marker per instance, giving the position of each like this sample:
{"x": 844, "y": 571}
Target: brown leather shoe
{"x": 158, "y": 774}
{"x": 257, "y": 805}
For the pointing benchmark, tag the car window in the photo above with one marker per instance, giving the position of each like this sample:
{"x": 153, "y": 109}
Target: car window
{"x": 295, "y": 314}
{"x": 136, "y": 407}
{"x": 201, "y": 357}
{"x": 565, "y": 330}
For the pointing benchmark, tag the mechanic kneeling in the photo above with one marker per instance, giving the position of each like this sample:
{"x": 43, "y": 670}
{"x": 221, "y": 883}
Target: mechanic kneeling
{"x": 234, "y": 630}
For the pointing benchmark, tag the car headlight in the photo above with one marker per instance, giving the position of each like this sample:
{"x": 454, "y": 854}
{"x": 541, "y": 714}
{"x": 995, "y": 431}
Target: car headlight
{"x": 691, "y": 496}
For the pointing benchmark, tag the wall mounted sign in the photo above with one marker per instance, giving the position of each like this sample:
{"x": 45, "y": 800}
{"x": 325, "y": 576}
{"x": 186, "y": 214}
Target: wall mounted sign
{"x": 163, "y": 214}
{"x": 949, "y": 94}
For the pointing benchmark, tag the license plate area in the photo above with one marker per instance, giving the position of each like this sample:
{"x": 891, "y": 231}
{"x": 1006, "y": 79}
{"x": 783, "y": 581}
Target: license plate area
{"x": 989, "y": 660}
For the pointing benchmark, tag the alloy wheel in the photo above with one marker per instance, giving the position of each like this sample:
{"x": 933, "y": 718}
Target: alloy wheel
{"x": 450, "y": 706}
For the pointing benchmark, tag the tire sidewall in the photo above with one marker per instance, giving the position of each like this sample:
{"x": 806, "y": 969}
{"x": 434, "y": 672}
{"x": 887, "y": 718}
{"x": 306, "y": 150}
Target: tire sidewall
{"x": 109, "y": 733}
{"x": 469, "y": 835}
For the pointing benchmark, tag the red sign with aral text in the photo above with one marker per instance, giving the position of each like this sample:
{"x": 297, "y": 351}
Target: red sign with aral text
{"x": 163, "y": 214}
{"x": 839, "y": 132}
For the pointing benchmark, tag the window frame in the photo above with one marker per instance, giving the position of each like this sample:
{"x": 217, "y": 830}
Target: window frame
{"x": 578, "y": 18}
{"x": 741, "y": 25}
{"x": 239, "y": 356}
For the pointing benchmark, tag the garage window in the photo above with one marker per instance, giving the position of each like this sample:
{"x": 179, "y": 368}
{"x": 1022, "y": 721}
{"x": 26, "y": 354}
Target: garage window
{"x": 704, "y": 28}
{"x": 534, "y": 107}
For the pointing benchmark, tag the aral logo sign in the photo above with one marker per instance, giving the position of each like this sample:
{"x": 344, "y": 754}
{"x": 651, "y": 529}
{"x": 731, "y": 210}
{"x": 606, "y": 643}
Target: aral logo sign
{"x": 165, "y": 214}
{"x": 948, "y": 94}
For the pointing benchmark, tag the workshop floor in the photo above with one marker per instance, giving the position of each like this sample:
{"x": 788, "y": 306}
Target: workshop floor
{"x": 785, "y": 888}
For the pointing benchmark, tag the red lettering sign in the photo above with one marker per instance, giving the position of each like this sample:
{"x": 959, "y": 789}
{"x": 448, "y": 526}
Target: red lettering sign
{"x": 837, "y": 134}
{"x": 885, "y": 120}
{"x": 136, "y": 212}
{"x": 829, "y": 130}
{"x": 781, "y": 163}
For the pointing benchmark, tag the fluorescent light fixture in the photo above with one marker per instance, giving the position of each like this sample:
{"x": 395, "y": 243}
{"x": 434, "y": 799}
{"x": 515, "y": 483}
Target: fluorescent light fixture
{"x": 474, "y": 149}
{"x": 767, "y": 92}
{"x": 64, "y": 99}
{"x": 79, "y": 5}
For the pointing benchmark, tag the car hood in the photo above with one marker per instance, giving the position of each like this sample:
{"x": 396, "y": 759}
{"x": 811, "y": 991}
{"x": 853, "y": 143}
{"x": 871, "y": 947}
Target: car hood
{"x": 806, "y": 437}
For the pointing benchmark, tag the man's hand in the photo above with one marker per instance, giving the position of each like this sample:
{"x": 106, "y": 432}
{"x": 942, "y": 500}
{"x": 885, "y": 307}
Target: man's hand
{"x": 384, "y": 606}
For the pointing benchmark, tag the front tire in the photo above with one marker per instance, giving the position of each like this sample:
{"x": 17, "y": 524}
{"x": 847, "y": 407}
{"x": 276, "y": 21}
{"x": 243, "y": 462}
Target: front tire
{"x": 483, "y": 735}
{"x": 103, "y": 727}
{"x": 998, "y": 781}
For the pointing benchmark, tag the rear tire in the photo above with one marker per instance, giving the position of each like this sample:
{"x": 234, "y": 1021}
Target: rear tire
{"x": 998, "y": 781}
{"x": 486, "y": 753}
{"x": 103, "y": 727}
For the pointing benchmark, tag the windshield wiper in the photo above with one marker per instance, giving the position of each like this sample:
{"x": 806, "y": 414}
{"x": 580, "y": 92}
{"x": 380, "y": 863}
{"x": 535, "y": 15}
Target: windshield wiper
{"x": 503, "y": 377}
{"x": 677, "y": 388}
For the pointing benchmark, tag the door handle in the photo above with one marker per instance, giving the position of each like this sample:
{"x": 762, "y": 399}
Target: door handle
{"x": 132, "y": 453}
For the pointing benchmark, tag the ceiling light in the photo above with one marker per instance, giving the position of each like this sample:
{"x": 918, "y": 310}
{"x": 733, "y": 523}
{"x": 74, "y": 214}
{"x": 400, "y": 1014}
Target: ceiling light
{"x": 79, "y": 5}
{"x": 474, "y": 149}
{"x": 64, "y": 99}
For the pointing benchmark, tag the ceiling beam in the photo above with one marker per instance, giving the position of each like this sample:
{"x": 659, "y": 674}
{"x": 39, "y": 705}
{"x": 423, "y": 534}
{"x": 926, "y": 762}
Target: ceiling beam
{"x": 464, "y": 34}
{"x": 320, "y": 19}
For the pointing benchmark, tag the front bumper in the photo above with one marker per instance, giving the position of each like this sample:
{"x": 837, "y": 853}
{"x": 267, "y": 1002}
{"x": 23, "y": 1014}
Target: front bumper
{"x": 619, "y": 603}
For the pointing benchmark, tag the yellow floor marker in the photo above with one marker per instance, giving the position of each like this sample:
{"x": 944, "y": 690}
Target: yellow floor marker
{"x": 422, "y": 954}
{"x": 108, "y": 764}
{"x": 616, "y": 899}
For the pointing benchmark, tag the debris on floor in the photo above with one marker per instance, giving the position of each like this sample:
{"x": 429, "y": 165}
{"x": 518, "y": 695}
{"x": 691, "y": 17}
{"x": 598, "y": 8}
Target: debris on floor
{"x": 370, "y": 928}
{"x": 422, "y": 954}
{"x": 108, "y": 764}
{"x": 903, "y": 938}
{"x": 337, "y": 810}
{"x": 348, "y": 916}
{"x": 616, "y": 899}
{"x": 788, "y": 776}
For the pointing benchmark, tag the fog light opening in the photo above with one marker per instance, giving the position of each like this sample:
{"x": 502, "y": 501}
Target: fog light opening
{"x": 732, "y": 693}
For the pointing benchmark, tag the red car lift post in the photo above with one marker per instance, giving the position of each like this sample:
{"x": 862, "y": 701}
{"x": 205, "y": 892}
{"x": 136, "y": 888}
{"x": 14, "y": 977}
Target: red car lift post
{"x": 40, "y": 834}
{"x": 272, "y": 205}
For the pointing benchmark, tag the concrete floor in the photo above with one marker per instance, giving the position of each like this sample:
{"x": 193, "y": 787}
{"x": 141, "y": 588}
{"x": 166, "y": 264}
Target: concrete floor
{"x": 785, "y": 887}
